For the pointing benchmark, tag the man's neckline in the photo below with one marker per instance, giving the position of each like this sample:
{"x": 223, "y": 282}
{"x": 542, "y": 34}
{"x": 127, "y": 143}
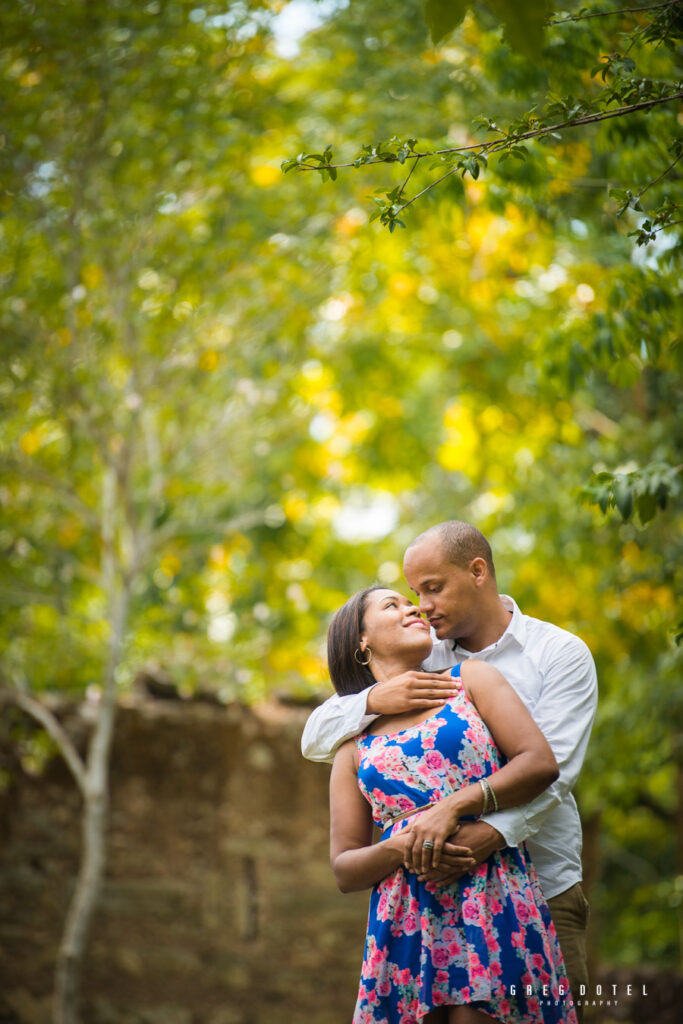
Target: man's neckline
{"x": 515, "y": 630}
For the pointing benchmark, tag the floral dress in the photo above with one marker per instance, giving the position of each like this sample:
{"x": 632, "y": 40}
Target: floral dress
{"x": 487, "y": 939}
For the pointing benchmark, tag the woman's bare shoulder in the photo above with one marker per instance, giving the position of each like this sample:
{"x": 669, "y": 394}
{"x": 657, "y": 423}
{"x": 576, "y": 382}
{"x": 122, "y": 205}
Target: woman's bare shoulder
{"x": 478, "y": 675}
{"x": 347, "y": 756}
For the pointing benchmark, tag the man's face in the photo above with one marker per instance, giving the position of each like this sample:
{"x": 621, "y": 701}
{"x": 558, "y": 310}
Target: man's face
{"x": 449, "y": 596}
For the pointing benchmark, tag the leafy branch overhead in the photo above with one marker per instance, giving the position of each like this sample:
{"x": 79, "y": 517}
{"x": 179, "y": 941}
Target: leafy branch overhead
{"x": 624, "y": 93}
{"x": 636, "y": 492}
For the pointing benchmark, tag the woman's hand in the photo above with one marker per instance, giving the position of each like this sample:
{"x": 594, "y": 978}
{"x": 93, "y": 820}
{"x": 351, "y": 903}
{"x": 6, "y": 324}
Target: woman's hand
{"x": 433, "y": 827}
{"x": 480, "y": 838}
{"x": 454, "y": 862}
{"x": 454, "y": 859}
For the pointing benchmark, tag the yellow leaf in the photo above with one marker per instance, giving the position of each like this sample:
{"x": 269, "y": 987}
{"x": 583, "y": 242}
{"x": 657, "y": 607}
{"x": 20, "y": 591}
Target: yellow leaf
{"x": 219, "y": 557}
{"x": 92, "y": 275}
{"x": 491, "y": 419}
{"x": 30, "y": 79}
{"x": 461, "y": 449}
{"x": 170, "y": 564}
{"x": 295, "y": 506}
{"x": 325, "y": 509}
{"x": 63, "y": 336}
{"x": 402, "y": 284}
{"x": 571, "y": 433}
{"x": 631, "y": 553}
{"x": 265, "y": 175}
{"x": 312, "y": 669}
{"x": 30, "y": 442}
{"x": 208, "y": 360}
{"x": 449, "y": 457}
{"x": 69, "y": 532}
{"x": 388, "y": 406}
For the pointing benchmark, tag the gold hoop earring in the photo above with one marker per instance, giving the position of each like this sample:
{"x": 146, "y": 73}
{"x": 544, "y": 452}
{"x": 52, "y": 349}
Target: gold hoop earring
{"x": 358, "y": 659}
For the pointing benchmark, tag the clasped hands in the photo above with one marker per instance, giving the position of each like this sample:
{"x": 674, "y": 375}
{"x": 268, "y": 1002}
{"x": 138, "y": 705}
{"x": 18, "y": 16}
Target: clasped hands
{"x": 442, "y": 859}
{"x": 458, "y": 847}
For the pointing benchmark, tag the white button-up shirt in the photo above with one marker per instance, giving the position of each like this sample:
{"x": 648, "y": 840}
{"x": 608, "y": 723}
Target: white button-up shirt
{"x": 554, "y": 674}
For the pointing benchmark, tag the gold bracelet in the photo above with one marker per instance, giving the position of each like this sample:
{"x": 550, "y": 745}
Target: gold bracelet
{"x": 485, "y": 787}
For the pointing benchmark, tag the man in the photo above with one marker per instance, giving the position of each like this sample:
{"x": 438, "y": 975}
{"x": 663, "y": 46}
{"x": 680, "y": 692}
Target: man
{"x": 450, "y": 568}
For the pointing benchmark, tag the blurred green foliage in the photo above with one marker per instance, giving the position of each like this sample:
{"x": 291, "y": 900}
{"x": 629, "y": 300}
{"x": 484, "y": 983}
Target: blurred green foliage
{"x": 271, "y": 397}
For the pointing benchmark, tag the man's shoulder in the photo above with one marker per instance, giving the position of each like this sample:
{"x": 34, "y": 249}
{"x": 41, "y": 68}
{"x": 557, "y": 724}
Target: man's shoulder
{"x": 552, "y": 641}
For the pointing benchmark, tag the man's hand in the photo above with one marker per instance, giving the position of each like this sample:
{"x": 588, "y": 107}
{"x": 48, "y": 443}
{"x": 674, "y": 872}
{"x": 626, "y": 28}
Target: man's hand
{"x": 412, "y": 691}
{"x": 481, "y": 838}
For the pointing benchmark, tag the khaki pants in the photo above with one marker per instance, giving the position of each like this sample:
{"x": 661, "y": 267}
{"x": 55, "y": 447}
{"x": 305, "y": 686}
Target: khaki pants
{"x": 569, "y": 911}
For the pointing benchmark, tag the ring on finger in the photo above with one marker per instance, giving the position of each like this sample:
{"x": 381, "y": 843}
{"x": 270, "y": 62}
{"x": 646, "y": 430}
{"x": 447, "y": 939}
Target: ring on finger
{"x": 428, "y": 844}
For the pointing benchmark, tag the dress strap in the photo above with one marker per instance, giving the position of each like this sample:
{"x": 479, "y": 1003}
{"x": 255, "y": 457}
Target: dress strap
{"x": 455, "y": 671}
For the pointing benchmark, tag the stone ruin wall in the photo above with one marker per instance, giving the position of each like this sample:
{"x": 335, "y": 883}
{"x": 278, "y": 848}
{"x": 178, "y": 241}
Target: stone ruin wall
{"x": 219, "y": 906}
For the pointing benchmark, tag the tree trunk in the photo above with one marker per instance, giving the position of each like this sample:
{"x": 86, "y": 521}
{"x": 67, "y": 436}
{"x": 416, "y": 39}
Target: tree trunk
{"x": 678, "y": 755}
{"x": 72, "y": 947}
{"x": 591, "y": 828}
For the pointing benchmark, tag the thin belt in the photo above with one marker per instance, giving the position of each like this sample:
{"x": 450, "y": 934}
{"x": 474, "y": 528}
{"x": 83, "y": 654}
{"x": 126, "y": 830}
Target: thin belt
{"x": 406, "y": 814}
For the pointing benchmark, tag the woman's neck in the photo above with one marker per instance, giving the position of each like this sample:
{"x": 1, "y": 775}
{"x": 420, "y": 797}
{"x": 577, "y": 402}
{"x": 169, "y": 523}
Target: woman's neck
{"x": 387, "y": 668}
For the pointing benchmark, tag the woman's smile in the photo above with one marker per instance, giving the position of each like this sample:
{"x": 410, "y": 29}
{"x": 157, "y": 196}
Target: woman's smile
{"x": 412, "y": 621}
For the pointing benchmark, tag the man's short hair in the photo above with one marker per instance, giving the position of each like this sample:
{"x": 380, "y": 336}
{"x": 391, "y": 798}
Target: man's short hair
{"x": 461, "y": 542}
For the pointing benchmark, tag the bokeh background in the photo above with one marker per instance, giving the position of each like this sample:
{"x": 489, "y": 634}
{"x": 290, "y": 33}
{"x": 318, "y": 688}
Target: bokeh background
{"x": 229, "y": 401}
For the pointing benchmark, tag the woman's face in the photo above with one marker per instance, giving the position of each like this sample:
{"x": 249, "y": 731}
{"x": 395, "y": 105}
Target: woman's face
{"x": 393, "y": 626}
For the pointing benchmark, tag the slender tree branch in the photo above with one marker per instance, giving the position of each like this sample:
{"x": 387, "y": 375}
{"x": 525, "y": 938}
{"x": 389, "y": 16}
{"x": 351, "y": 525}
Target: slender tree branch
{"x": 662, "y": 175}
{"x": 663, "y": 227}
{"x": 663, "y": 813}
{"x": 432, "y": 184}
{"x": 497, "y": 144}
{"x": 410, "y": 172}
{"x": 180, "y": 529}
{"x": 43, "y": 478}
{"x": 607, "y": 14}
{"x": 54, "y": 729}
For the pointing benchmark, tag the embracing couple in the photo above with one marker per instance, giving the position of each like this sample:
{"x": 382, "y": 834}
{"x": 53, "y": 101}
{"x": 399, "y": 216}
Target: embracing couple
{"x": 476, "y": 911}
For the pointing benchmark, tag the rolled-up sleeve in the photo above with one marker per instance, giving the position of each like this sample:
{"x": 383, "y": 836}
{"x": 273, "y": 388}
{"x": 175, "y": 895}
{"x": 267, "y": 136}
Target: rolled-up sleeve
{"x": 564, "y": 712}
{"x": 334, "y": 722}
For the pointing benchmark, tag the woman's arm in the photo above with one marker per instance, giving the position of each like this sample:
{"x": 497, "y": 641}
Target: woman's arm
{"x": 531, "y": 766}
{"x": 355, "y": 862}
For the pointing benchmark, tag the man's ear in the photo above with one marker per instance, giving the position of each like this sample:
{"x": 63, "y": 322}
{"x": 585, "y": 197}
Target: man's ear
{"x": 479, "y": 569}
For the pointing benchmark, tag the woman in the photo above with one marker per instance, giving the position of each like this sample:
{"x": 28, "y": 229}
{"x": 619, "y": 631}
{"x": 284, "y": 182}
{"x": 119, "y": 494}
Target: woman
{"x": 459, "y": 952}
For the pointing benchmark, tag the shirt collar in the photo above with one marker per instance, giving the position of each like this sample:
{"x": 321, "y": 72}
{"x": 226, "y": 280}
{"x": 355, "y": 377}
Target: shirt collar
{"x": 515, "y": 632}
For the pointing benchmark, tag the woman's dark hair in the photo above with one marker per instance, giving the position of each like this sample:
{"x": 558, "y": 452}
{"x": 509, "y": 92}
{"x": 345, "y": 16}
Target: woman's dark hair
{"x": 343, "y": 639}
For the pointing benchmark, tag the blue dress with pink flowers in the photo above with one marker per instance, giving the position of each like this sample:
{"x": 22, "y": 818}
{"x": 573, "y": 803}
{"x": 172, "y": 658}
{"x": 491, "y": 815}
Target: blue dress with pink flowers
{"x": 486, "y": 940}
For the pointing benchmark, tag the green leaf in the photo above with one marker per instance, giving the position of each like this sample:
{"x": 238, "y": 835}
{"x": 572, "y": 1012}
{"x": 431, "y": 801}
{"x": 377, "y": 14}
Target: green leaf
{"x": 523, "y": 23}
{"x": 442, "y": 16}
{"x": 647, "y": 506}
{"x": 623, "y": 496}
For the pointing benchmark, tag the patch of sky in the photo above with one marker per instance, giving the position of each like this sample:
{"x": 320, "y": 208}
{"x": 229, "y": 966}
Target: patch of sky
{"x": 288, "y": 27}
{"x": 297, "y": 19}
{"x": 366, "y": 515}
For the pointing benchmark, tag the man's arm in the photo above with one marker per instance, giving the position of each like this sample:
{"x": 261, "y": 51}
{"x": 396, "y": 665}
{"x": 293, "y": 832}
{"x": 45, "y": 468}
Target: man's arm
{"x": 564, "y": 712}
{"x": 340, "y": 718}
{"x": 334, "y": 722}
